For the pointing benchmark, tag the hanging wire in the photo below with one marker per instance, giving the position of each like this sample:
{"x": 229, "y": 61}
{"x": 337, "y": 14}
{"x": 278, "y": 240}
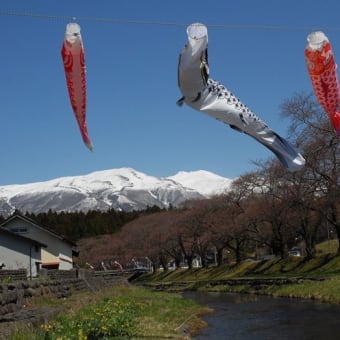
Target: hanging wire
{"x": 165, "y": 23}
{"x": 93, "y": 19}
{"x": 33, "y": 15}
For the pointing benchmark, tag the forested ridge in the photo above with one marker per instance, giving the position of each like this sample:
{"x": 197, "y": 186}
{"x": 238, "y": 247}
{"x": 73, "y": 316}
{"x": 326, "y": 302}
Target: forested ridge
{"x": 77, "y": 225}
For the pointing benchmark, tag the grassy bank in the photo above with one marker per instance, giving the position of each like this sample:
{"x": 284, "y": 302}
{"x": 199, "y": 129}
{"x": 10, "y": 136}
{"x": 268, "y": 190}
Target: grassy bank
{"x": 117, "y": 313}
{"x": 317, "y": 279}
{"x": 132, "y": 312}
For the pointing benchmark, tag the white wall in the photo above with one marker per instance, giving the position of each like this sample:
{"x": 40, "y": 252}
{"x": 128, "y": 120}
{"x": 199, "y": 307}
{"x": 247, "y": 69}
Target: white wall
{"x": 59, "y": 249}
{"x": 17, "y": 254}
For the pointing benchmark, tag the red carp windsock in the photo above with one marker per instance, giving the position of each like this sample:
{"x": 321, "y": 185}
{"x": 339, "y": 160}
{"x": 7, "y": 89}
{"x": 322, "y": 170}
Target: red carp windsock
{"x": 322, "y": 71}
{"x": 73, "y": 55}
{"x": 210, "y": 97}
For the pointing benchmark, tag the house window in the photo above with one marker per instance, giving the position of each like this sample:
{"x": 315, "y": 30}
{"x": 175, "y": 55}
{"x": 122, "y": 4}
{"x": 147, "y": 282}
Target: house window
{"x": 19, "y": 230}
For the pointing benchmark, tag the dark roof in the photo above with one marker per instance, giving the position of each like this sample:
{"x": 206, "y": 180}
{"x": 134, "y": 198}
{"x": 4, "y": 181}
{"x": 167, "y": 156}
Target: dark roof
{"x": 29, "y": 220}
{"x": 18, "y": 236}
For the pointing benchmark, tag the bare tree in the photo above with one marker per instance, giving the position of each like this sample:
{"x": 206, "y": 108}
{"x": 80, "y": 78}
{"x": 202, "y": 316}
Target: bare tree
{"x": 219, "y": 220}
{"x": 318, "y": 198}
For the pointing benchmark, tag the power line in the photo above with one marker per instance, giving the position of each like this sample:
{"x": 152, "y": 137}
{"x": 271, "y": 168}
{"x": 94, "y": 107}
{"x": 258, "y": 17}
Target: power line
{"x": 165, "y": 23}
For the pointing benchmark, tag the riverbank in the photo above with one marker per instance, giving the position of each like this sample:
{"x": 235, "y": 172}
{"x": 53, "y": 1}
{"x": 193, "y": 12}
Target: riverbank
{"x": 135, "y": 312}
{"x": 124, "y": 312}
{"x": 294, "y": 277}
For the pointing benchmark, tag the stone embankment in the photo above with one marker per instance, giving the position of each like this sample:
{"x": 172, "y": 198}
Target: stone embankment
{"x": 15, "y": 296}
{"x": 254, "y": 283}
{"x": 261, "y": 282}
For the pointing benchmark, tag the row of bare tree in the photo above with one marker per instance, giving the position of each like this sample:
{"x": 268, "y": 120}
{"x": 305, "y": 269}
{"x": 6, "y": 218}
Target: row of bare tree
{"x": 268, "y": 208}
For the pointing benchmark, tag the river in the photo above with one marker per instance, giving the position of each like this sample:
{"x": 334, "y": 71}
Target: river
{"x": 243, "y": 316}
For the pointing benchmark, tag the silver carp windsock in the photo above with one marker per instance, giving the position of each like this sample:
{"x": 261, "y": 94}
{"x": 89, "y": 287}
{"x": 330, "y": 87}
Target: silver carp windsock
{"x": 206, "y": 95}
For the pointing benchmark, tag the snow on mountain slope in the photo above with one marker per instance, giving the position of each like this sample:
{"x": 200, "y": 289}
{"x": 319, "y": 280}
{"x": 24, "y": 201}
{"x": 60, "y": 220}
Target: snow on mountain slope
{"x": 123, "y": 188}
{"x": 205, "y": 182}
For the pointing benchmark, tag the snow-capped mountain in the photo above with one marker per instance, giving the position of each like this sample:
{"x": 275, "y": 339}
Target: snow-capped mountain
{"x": 123, "y": 188}
{"x": 205, "y": 182}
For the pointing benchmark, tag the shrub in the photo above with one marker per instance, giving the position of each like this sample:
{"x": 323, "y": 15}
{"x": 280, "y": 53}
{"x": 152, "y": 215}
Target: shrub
{"x": 111, "y": 318}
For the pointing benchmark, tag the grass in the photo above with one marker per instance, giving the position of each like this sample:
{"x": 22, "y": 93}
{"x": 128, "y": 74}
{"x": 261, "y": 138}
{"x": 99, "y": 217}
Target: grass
{"x": 324, "y": 291}
{"x": 318, "y": 278}
{"x": 324, "y": 264}
{"x": 130, "y": 312}
{"x": 119, "y": 313}
{"x": 327, "y": 247}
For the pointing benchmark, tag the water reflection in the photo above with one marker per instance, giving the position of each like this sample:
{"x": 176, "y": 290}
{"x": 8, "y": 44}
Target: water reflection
{"x": 241, "y": 316}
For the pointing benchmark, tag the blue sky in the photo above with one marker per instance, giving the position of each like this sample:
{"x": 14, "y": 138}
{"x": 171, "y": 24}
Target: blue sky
{"x": 132, "y": 90}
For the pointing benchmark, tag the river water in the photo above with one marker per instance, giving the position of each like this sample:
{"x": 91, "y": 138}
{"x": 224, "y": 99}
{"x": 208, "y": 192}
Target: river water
{"x": 243, "y": 316}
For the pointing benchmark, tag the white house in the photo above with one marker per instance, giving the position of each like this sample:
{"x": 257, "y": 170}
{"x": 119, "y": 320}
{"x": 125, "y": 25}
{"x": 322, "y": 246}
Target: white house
{"x": 58, "y": 253}
{"x": 19, "y": 252}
